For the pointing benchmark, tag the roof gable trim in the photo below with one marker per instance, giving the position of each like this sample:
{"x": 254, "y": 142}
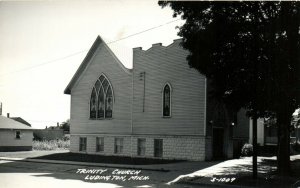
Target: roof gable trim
{"x": 86, "y": 61}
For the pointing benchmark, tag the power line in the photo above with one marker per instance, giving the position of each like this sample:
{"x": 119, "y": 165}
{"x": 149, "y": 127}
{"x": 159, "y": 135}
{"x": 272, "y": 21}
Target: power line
{"x": 47, "y": 62}
{"x": 144, "y": 31}
{"x": 79, "y": 52}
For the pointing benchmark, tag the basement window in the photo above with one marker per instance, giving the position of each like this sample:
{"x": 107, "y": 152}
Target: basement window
{"x": 141, "y": 144}
{"x": 158, "y": 147}
{"x": 99, "y": 144}
{"x": 82, "y": 144}
{"x": 119, "y": 145}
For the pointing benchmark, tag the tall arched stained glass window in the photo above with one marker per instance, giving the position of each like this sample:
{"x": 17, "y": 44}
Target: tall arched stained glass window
{"x": 93, "y": 104}
{"x": 101, "y": 95}
{"x": 108, "y": 103}
{"x": 167, "y": 101}
{"x": 101, "y": 103}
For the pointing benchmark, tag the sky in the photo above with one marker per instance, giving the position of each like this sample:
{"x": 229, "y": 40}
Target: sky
{"x": 44, "y": 42}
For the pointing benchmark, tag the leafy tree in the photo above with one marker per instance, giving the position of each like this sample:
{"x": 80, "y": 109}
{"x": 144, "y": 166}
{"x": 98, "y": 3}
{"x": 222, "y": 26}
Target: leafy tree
{"x": 296, "y": 126}
{"x": 65, "y": 125}
{"x": 250, "y": 53}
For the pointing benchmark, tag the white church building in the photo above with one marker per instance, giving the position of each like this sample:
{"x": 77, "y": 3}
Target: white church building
{"x": 158, "y": 109}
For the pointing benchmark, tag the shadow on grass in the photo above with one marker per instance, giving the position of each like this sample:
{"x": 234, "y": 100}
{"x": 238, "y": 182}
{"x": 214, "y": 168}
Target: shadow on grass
{"x": 263, "y": 168}
{"x": 261, "y": 181}
{"x": 241, "y": 175}
{"x": 78, "y": 157}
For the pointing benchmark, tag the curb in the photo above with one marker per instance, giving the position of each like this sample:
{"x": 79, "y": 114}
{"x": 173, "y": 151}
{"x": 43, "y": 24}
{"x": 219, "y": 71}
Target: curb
{"x": 122, "y": 166}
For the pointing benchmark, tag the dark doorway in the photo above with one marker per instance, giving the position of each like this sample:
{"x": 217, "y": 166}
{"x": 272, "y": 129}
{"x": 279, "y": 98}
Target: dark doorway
{"x": 218, "y": 142}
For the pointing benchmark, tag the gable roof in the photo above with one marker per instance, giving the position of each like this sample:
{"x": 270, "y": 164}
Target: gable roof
{"x": 86, "y": 61}
{"x": 7, "y": 123}
{"x": 21, "y": 120}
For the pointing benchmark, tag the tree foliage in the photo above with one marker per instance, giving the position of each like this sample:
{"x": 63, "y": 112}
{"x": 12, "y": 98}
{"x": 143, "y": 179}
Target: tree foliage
{"x": 250, "y": 52}
{"x": 65, "y": 125}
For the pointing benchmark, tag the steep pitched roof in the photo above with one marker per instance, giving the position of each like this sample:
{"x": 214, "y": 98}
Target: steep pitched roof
{"x": 7, "y": 123}
{"x": 86, "y": 61}
{"x": 21, "y": 120}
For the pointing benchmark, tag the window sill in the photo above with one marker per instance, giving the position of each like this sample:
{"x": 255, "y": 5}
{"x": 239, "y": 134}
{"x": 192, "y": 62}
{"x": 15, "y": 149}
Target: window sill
{"x": 101, "y": 118}
{"x": 166, "y": 116}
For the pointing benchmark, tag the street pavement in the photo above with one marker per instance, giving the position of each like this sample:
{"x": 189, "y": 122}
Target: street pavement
{"x": 15, "y": 173}
{"x": 18, "y": 169}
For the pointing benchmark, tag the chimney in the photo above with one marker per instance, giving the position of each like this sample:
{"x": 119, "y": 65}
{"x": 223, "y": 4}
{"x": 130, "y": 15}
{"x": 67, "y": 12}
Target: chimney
{"x": 8, "y": 115}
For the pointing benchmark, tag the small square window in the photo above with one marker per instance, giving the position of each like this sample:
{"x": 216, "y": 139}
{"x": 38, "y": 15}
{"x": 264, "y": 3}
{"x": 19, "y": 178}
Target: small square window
{"x": 82, "y": 144}
{"x": 18, "y": 134}
{"x": 119, "y": 145}
{"x": 99, "y": 144}
{"x": 141, "y": 150}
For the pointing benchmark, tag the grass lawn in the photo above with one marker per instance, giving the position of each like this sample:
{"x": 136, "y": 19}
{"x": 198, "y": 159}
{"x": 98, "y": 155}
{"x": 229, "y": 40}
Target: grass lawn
{"x": 104, "y": 159}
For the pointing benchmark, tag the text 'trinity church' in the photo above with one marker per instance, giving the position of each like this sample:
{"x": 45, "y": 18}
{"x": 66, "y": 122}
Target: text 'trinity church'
{"x": 158, "y": 109}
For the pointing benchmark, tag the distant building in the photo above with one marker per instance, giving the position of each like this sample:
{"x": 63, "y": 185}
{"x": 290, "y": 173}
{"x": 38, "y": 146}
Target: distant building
{"x": 14, "y": 136}
{"x": 49, "y": 133}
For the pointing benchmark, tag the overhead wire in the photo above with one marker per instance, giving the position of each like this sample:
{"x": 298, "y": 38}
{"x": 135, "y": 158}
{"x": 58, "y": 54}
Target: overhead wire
{"x": 79, "y": 52}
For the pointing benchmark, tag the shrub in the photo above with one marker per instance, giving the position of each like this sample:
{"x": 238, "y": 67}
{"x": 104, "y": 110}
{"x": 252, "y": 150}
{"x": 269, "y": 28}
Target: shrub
{"x": 247, "y": 150}
{"x": 51, "y": 145}
{"x": 296, "y": 146}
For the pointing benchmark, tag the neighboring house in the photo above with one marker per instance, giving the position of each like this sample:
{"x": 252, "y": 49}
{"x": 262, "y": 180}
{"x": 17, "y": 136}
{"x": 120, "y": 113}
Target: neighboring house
{"x": 264, "y": 136}
{"x": 158, "y": 109}
{"x": 14, "y": 136}
{"x": 267, "y": 131}
{"x": 21, "y": 120}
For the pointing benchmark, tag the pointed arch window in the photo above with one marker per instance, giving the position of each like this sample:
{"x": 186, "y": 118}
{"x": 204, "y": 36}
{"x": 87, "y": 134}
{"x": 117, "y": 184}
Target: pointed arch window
{"x": 167, "y": 101}
{"x": 101, "y": 102}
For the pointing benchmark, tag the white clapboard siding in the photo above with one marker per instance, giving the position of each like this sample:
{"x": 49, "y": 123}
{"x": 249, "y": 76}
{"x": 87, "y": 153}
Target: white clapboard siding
{"x": 104, "y": 62}
{"x": 8, "y": 138}
{"x": 167, "y": 65}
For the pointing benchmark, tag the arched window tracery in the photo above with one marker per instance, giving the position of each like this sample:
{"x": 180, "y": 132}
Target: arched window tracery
{"x": 101, "y": 102}
{"x": 167, "y": 100}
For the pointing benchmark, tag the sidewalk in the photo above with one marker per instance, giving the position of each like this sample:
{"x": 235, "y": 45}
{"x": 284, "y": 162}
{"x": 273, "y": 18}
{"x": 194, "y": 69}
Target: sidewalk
{"x": 238, "y": 173}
